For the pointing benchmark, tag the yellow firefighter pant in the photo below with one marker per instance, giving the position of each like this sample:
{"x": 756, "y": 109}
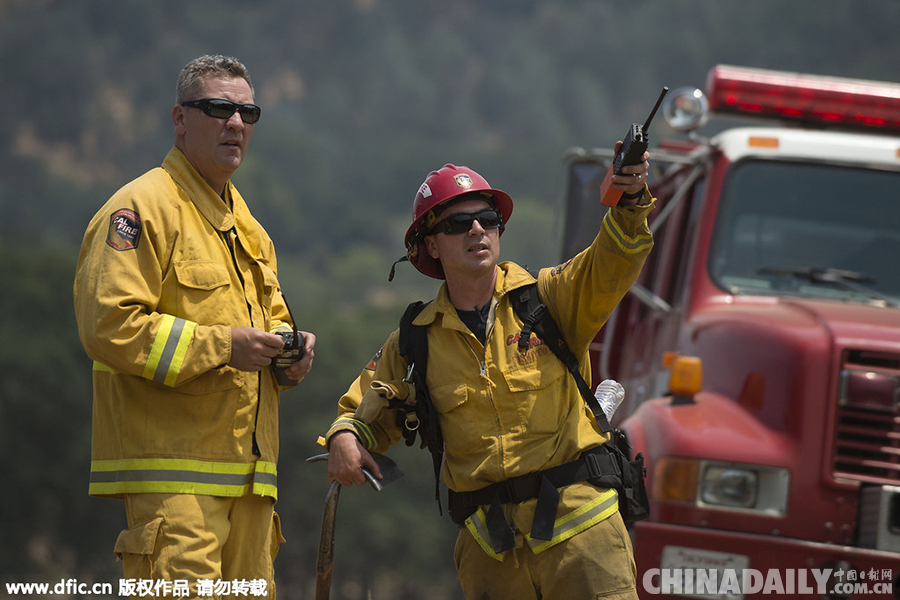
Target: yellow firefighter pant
{"x": 172, "y": 537}
{"x": 596, "y": 563}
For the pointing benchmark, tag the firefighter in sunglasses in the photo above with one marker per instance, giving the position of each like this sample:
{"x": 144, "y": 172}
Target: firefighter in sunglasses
{"x": 178, "y": 304}
{"x": 504, "y": 414}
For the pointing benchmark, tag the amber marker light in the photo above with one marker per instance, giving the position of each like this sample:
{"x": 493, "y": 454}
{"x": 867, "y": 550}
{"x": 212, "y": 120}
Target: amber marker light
{"x": 675, "y": 480}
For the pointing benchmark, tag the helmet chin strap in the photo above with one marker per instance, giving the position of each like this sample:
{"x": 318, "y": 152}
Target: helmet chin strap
{"x": 394, "y": 266}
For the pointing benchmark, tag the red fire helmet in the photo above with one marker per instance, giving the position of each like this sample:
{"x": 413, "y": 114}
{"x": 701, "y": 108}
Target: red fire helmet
{"x": 440, "y": 187}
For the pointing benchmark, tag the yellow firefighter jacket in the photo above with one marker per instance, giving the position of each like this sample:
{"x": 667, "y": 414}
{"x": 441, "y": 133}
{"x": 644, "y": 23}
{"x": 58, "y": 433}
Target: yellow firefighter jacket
{"x": 504, "y": 413}
{"x": 166, "y": 269}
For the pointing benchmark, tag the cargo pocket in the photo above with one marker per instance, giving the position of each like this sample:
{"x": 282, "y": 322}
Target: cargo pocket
{"x": 135, "y": 548}
{"x": 276, "y": 538}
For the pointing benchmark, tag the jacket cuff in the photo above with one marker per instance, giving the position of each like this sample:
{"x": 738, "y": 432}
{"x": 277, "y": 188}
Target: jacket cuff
{"x": 363, "y": 432}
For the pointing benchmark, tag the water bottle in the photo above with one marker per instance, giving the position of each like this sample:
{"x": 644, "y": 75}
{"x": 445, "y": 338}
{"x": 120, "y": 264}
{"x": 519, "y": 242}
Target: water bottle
{"x": 609, "y": 394}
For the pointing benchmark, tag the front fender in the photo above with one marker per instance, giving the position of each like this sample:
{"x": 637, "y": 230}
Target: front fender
{"x": 713, "y": 427}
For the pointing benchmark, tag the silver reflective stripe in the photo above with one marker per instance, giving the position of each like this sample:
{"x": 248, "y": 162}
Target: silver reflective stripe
{"x": 165, "y": 359}
{"x": 578, "y": 520}
{"x": 477, "y": 526}
{"x": 174, "y": 475}
{"x": 262, "y": 478}
{"x": 628, "y": 244}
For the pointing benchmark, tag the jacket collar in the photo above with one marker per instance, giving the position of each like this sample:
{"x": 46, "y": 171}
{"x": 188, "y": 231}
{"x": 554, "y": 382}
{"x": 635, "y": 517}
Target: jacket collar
{"x": 509, "y": 277}
{"x": 221, "y": 214}
{"x": 210, "y": 205}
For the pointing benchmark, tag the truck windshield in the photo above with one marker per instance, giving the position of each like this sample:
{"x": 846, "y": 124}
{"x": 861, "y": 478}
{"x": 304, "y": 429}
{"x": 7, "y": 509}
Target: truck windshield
{"x": 804, "y": 229}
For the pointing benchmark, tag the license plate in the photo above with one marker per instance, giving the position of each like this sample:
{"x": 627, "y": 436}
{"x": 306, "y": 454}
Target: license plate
{"x": 699, "y": 573}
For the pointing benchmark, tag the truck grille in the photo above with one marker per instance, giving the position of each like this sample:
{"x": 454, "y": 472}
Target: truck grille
{"x": 867, "y": 439}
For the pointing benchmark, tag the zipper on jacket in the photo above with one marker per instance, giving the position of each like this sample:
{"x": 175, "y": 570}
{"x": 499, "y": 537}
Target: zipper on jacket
{"x": 482, "y": 367}
{"x": 230, "y": 235}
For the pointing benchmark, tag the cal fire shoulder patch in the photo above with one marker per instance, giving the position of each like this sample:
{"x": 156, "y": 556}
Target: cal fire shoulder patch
{"x": 559, "y": 268}
{"x": 374, "y": 362}
{"x": 124, "y": 230}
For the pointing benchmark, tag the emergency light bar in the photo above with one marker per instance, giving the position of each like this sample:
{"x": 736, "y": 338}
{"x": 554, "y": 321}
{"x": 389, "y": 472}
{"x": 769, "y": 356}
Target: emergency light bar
{"x": 811, "y": 99}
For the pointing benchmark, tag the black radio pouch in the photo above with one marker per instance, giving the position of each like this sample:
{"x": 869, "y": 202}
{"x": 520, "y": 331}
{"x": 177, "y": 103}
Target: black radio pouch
{"x": 628, "y": 479}
{"x": 634, "y": 504}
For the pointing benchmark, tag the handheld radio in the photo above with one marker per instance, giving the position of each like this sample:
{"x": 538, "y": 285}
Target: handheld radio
{"x": 633, "y": 147}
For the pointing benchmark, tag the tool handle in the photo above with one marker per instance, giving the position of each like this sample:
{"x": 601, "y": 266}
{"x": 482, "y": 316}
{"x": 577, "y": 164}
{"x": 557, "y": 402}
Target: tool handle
{"x": 376, "y": 485}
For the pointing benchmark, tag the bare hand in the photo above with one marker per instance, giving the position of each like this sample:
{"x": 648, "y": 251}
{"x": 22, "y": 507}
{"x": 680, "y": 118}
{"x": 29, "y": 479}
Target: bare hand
{"x": 301, "y": 368}
{"x": 347, "y": 458}
{"x": 631, "y": 178}
{"x": 252, "y": 349}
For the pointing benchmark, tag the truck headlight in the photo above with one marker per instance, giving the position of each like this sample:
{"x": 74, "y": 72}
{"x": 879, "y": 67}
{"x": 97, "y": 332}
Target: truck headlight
{"x": 721, "y": 485}
{"x": 728, "y": 486}
{"x": 743, "y": 487}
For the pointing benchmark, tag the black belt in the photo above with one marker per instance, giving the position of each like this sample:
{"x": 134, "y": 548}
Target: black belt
{"x": 543, "y": 485}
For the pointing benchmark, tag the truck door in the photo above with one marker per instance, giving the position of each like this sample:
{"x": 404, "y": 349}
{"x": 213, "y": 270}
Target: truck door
{"x": 629, "y": 347}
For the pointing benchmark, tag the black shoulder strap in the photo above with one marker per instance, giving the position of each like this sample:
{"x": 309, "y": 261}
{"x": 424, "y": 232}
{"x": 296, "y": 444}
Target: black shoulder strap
{"x": 413, "y": 345}
{"x": 537, "y": 318}
{"x": 418, "y": 349}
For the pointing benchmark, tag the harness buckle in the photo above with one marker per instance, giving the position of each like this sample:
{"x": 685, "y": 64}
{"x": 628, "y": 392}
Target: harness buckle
{"x": 593, "y": 465}
{"x": 520, "y": 489}
{"x": 599, "y": 464}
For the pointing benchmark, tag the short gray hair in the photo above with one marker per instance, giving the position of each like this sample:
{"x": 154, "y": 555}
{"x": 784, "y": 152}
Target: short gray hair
{"x": 196, "y": 72}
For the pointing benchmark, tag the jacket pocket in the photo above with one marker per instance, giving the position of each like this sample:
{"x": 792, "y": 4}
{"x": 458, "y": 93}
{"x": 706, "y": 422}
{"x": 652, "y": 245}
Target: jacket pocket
{"x": 464, "y": 423}
{"x": 537, "y": 399}
{"x": 201, "y": 274}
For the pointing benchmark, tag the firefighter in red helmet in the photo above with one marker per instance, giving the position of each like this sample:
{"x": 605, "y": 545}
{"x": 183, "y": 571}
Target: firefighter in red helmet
{"x": 506, "y": 416}
{"x": 439, "y": 190}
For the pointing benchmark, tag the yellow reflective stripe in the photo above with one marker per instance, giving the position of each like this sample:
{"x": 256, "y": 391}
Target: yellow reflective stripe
{"x": 98, "y": 366}
{"x": 264, "y": 489}
{"x": 185, "y": 476}
{"x": 477, "y": 526}
{"x": 266, "y": 467}
{"x": 181, "y": 348}
{"x": 565, "y": 527}
{"x": 159, "y": 345}
{"x": 265, "y": 479}
{"x": 166, "y": 487}
{"x": 362, "y": 428}
{"x": 628, "y": 244}
{"x": 168, "y": 350}
{"x": 578, "y": 520}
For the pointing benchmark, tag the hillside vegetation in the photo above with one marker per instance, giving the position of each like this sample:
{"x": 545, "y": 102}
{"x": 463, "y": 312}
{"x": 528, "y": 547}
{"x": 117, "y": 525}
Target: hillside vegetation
{"x": 361, "y": 99}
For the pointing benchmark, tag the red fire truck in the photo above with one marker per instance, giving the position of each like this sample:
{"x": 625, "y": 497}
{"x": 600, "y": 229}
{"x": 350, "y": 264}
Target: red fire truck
{"x": 760, "y": 349}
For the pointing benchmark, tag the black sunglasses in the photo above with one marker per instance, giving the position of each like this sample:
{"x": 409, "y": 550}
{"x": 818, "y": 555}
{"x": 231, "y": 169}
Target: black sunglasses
{"x": 220, "y": 108}
{"x": 462, "y": 222}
